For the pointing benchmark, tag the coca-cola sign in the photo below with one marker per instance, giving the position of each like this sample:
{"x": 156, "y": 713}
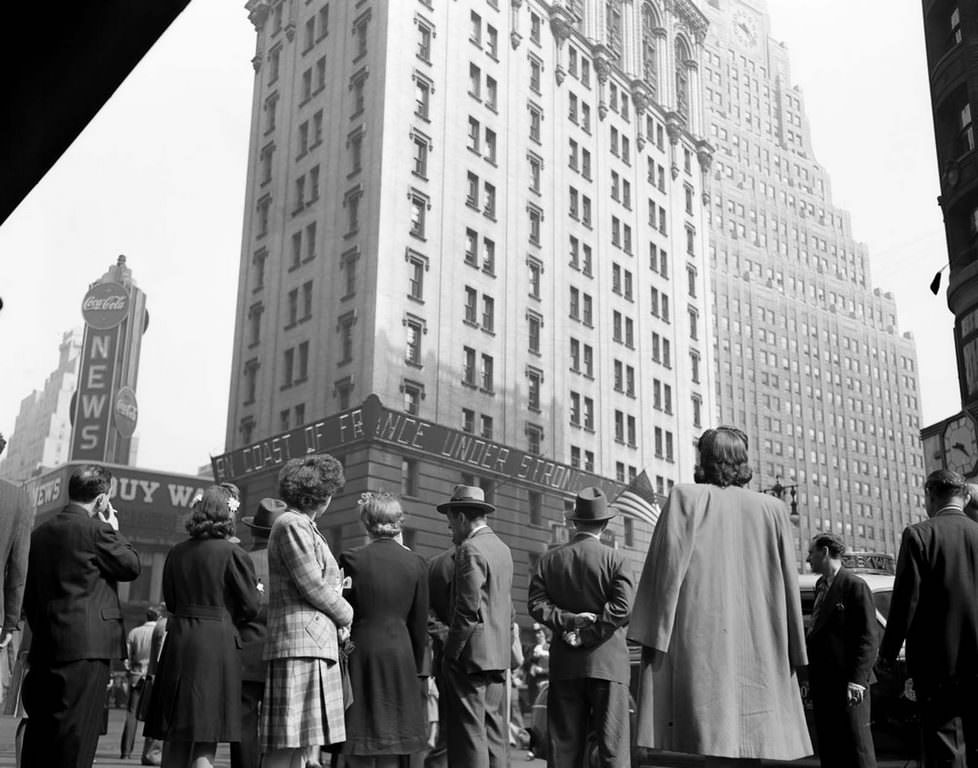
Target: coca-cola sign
{"x": 105, "y": 306}
{"x": 126, "y": 412}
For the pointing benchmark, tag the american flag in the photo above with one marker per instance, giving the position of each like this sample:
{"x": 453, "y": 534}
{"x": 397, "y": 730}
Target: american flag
{"x": 638, "y": 500}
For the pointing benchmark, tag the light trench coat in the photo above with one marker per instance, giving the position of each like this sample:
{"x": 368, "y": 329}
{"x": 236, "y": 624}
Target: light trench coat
{"x": 719, "y": 595}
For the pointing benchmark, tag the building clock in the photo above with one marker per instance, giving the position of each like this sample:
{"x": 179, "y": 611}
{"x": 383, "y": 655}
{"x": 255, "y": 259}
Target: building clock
{"x": 745, "y": 29}
{"x": 961, "y": 445}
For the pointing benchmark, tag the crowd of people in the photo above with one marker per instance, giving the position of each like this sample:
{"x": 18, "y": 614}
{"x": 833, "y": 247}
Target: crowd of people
{"x": 301, "y": 657}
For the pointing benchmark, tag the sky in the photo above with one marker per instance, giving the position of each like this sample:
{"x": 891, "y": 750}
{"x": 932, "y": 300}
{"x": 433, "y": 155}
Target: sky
{"x": 159, "y": 176}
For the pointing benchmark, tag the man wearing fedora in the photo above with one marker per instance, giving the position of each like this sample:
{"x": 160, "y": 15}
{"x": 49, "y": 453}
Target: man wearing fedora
{"x": 583, "y": 592}
{"x": 479, "y": 641}
{"x": 246, "y": 753}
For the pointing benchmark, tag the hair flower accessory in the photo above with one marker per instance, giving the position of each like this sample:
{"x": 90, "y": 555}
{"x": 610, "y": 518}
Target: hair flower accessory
{"x": 198, "y": 497}
{"x": 366, "y": 497}
{"x": 233, "y": 505}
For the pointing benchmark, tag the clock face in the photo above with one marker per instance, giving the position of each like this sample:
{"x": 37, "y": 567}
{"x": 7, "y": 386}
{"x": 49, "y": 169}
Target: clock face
{"x": 961, "y": 445}
{"x": 745, "y": 29}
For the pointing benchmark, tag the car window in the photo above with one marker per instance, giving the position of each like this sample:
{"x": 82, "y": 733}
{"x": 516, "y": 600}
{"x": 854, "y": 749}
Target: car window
{"x": 882, "y": 600}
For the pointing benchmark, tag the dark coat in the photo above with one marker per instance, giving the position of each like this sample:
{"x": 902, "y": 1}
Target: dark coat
{"x": 842, "y": 644}
{"x": 16, "y": 519}
{"x": 254, "y": 632}
{"x": 584, "y": 575}
{"x": 209, "y": 586}
{"x": 70, "y": 598}
{"x": 389, "y": 595}
{"x": 933, "y": 604}
{"x": 480, "y": 633}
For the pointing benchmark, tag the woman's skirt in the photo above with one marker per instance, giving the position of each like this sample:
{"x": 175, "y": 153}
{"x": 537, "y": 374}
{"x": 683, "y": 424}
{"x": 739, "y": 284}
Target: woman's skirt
{"x": 303, "y": 704}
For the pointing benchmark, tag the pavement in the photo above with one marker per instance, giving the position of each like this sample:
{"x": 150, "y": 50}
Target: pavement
{"x": 107, "y": 755}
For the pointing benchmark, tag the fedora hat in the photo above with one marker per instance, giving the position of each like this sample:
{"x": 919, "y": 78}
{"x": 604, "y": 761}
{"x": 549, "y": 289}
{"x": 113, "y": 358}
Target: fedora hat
{"x": 268, "y": 511}
{"x": 468, "y": 497}
{"x": 591, "y": 506}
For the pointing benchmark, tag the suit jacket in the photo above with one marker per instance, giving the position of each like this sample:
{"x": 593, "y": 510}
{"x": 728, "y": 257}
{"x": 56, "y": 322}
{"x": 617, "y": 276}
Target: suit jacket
{"x": 842, "y": 643}
{"x": 584, "y": 575}
{"x": 16, "y": 519}
{"x": 305, "y": 602}
{"x": 933, "y": 604}
{"x": 70, "y": 598}
{"x": 480, "y": 632}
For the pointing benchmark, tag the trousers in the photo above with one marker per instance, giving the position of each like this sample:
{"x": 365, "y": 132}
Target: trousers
{"x": 582, "y": 707}
{"x": 477, "y": 733}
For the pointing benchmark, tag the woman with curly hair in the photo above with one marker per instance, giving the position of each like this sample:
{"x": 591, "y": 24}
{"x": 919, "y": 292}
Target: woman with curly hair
{"x": 718, "y": 615}
{"x": 303, "y": 703}
{"x": 210, "y": 589}
{"x": 389, "y": 595}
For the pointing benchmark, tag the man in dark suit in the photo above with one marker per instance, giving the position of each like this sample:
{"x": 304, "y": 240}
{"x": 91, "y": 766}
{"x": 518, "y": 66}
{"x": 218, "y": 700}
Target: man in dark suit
{"x": 247, "y": 753}
{"x": 441, "y": 572}
{"x": 935, "y": 609}
{"x": 583, "y": 592}
{"x": 76, "y": 559}
{"x": 479, "y": 642}
{"x": 842, "y": 644}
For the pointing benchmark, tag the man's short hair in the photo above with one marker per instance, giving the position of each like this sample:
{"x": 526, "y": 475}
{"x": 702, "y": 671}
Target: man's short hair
{"x": 944, "y": 483}
{"x": 152, "y": 614}
{"x": 834, "y": 543}
{"x": 88, "y": 482}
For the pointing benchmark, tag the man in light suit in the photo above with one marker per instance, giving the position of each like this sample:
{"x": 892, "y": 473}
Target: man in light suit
{"x": 479, "y": 642}
{"x": 842, "y": 644}
{"x": 934, "y": 608}
{"x": 583, "y": 592}
{"x": 76, "y": 559}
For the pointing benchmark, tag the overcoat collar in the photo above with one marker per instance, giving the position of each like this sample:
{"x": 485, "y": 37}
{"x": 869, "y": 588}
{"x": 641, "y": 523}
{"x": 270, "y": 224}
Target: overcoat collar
{"x": 74, "y": 508}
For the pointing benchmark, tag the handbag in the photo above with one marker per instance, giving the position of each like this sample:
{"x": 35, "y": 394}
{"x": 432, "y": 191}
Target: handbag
{"x": 146, "y": 694}
{"x": 346, "y": 648}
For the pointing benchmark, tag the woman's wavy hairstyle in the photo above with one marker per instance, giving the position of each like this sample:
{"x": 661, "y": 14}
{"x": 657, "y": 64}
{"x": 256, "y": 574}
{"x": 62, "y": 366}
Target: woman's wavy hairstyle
{"x": 212, "y": 513}
{"x": 723, "y": 458}
{"x": 306, "y": 483}
{"x": 381, "y": 514}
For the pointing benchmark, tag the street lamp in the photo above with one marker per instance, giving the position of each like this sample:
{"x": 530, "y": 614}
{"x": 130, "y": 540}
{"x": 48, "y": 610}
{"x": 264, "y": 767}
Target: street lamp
{"x": 778, "y": 490}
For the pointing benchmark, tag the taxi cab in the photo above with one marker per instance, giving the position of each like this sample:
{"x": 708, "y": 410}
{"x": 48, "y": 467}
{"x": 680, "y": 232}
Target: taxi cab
{"x": 894, "y": 719}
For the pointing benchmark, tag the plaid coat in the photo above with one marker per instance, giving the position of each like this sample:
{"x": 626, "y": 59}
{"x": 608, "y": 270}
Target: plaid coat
{"x": 305, "y": 604}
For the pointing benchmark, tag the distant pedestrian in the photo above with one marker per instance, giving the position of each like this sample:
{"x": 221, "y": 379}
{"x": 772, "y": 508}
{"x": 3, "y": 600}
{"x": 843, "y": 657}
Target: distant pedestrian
{"x": 139, "y": 644}
{"x": 718, "y": 614}
{"x": 247, "y": 752}
{"x": 842, "y": 644}
{"x": 303, "y": 704}
{"x": 583, "y": 592}
{"x": 210, "y": 589}
{"x": 934, "y": 609}
{"x": 389, "y": 594}
{"x": 537, "y": 661}
{"x": 478, "y": 649}
{"x": 70, "y": 600}
{"x": 153, "y": 748}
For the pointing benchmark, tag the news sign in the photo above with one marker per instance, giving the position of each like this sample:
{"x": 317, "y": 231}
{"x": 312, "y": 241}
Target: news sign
{"x": 93, "y": 397}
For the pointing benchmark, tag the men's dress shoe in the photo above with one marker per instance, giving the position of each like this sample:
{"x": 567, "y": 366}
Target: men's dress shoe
{"x": 148, "y": 761}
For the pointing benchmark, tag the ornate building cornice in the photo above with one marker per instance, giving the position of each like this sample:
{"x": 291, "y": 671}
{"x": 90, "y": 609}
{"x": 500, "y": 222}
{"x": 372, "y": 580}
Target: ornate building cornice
{"x": 257, "y": 12}
{"x": 694, "y": 19}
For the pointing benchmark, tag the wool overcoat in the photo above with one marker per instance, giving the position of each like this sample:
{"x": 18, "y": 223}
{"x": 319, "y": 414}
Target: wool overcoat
{"x": 719, "y": 596}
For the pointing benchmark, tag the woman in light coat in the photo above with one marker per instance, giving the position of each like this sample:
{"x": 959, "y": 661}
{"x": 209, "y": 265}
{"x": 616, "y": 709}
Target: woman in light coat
{"x": 303, "y": 704}
{"x": 718, "y": 614}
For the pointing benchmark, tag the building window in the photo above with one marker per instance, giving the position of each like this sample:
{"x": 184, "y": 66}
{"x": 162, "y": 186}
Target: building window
{"x": 468, "y": 367}
{"x": 254, "y": 323}
{"x": 534, "y": 439}
{"x": 486, "y": 430}
{"x": 694, "y": 364}
{"x": 534, "y": 270}
{"x": 489, "y": 206}
{"x": 263, "y": 212}
{"x": 475, "y": 28}
{"x": 535, "y": 217}
{"x": 693, "y": 324}
{"x": 247, "y": 429}
{"x": 490, "y": 143}
{"x": 487, "y": 371}
{"x": 588, "y": 413}
{"x": 251, "y": 381}
{"x": 348, "y": 262}
{"x": 492, "y": 94}
{"x": 535, "y": 118}
{"x": 697, "y": 410}
{"x": 588, "y": 461}
{"x": 488, "y": 256}
{"x": 419, "y": 208}
{"x": 536, "y": 164}
{"x": 413, "y": 394}
{"x": 360, "y": 33}
{"x": 421, "y": 147}
{"x": 475, "y": 133}
{"x": 955, "y": 26}
{"x": 535, "y": 504}
{"x": 409, "y": 477}
{"x": 424, "y": 42}
{"x": 492, "y": 41}
{"x": 352, "y": 204}
{"x": 422, "y": 96}
{"x": 691, "y": 280}
{"x": 966, "y": 133}
{"x": 415, "y": 328}
{"x": 534, "y": 378}
{"x": 302, "y": 360}
{"x": 259, "y": 260}
{"x": 488, "y": 313}
{"x": 345, "y": 329}
{"x": 417, "y": 265}
{"x": 575, "y": 409}
{"x": 288, "y": 365}
{"x": 306, "y": 300}
{"x": 536, "y": 68}
{"x": 535, "y": 323}
{"x": 475, "y": 82}
{"x": 472, "y": 247}
{"x": 472, "y": 190}
{"x": 468, "y": 420}
{"x": 343, "y": 390}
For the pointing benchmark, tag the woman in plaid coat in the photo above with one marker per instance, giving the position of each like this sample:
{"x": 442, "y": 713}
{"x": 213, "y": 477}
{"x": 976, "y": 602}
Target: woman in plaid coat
{"x": 303, "y": 706}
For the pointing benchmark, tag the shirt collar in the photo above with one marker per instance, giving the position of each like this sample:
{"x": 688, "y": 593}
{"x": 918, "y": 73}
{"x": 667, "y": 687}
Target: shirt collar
{"x": 476, "y": 529}
{"x": 952, "y": 508}
{"x": 588, "y": 533}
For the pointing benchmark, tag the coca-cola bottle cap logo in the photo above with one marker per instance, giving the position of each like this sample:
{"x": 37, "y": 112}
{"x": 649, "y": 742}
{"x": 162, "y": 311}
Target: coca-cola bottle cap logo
{"x": 105, "y": 306}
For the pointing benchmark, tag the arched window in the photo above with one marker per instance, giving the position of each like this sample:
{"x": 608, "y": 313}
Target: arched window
{"x": 682, "y": 79}
{"x": 650, "y": 69}
{"x": 614, "y": 24}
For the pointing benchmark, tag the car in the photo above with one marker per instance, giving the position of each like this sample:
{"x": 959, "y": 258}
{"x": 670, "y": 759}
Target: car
{"x": 892, "y": 700}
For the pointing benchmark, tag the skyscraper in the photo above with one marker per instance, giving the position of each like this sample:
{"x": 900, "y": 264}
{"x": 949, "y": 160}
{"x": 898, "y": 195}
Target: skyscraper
{"x": 810, "y": 359}
{"x": 42, "y": 431}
